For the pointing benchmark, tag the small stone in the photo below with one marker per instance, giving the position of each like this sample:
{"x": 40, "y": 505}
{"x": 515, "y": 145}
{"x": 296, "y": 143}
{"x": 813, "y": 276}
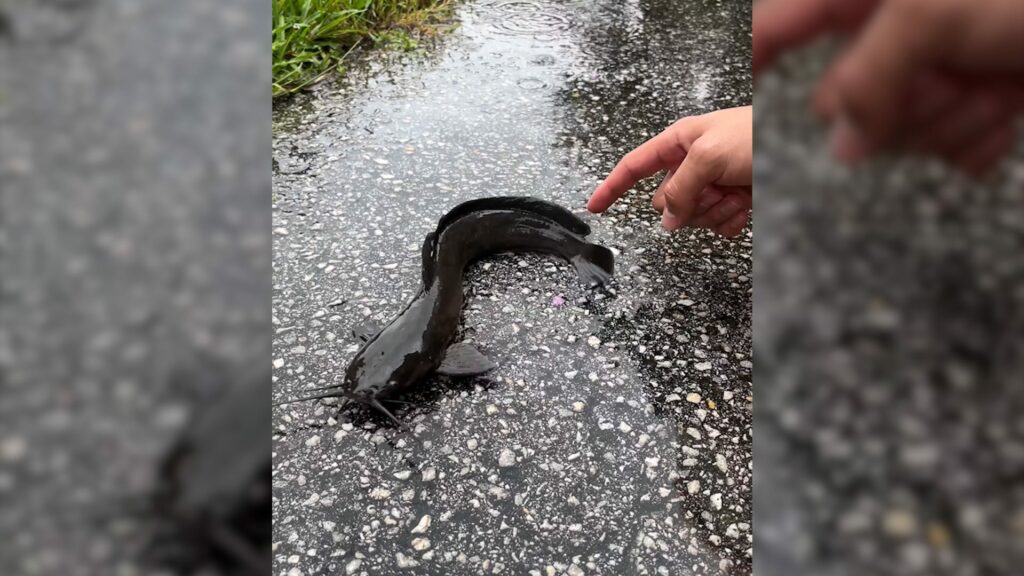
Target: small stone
{"x": 380, "y": 493}
{"x": 594, "y": 341}
{"x": 313, "y": 441}
{"x": 625, "y": 428}
{"x": 404, "y": 561}
{"x": 550, "y": 570}
{"x": 643, "y": 440}
{"x": 721, "y": 463}
{"x": 13, "y": 449}
{"x": 472, "y": 443}
{"x": 429, "y": 474}
{"x": 732, "y": 531}
{"x": 280, "y": 232}
{"x": 506, "y": 458}
{"x": 420, "y": 544}
{"x": 652, "y": 462}
{"x": 403, "y": 475}
{"x": 278, "y": 362}
{"x": 900, "y": 523}
{"x": 727, "y": 395}
{"x": 693, "y": 486}
{"x": 716, "y": 501}
{"x": 575, "y": 570}
{"x": 693, "y": 397}
{"x": 694, "y": 433}
{"x": 703, "y": 366}
{"x": 492, "y": 409}
{"x": 422, "y": 526}
{"x": 578, "y": 406}
{"x": 352, "y": 566}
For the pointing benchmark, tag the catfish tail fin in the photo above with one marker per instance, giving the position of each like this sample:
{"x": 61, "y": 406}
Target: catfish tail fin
{"x": 595, "y": 265}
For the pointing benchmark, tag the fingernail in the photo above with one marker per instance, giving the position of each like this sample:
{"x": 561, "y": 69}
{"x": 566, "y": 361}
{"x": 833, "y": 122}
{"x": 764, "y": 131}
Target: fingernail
{"x": 847, "y": 142}
{"x": 669, "y": 221}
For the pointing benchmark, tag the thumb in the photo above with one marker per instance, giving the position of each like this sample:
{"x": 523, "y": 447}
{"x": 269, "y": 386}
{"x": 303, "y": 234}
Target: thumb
{"x": 703, "y": 165}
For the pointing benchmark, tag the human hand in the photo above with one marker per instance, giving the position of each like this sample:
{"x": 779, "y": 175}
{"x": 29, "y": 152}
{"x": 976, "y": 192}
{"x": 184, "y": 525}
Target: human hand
{"x": 708, "y": 159}
{"x": 940, "y": 77}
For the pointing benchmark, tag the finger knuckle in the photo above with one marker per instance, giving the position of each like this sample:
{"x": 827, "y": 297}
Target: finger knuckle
{"x": 706, "y": 151}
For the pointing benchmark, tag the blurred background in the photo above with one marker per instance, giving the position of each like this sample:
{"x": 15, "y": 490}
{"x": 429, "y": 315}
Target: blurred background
{"x": 888, "y": 436}
{"x": 134, "y": 285}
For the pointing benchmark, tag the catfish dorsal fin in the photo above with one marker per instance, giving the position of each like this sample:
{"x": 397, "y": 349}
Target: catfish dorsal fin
{"x": 542, "y": 208}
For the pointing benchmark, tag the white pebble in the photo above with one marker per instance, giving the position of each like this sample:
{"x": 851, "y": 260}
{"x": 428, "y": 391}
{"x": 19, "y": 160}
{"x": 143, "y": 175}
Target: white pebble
{"x": 721, "y": 463}
{"x": 420, "y": 544}
{"x": 380, "y": 493}
{"x": 506, "y": 458}
{"x": 423, "y": 526}
{"x": 404, "y": 561}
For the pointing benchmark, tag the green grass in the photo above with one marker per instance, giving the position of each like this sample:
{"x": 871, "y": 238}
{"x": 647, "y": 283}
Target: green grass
{"x": 311, "y": 38}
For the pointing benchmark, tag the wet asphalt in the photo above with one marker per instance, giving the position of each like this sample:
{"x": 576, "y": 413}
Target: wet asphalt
{"x": 615, "y": 435}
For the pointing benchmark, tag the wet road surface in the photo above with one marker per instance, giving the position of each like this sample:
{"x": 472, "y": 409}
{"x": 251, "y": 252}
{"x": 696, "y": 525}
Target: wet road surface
{"x": 614, "y": 437}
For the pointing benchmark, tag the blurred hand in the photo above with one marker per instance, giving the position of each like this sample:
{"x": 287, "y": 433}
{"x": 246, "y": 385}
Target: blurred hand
{"x": 708, "y": 185}
{"x": 939, "y": 77}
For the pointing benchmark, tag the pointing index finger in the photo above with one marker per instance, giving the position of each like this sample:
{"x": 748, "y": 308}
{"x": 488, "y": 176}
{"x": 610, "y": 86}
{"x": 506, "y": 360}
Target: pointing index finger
{"x": 663, "y": 152}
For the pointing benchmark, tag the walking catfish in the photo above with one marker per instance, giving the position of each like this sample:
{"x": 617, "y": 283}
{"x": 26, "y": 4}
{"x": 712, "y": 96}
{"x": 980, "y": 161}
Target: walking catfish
{"x": 418, "y": 341}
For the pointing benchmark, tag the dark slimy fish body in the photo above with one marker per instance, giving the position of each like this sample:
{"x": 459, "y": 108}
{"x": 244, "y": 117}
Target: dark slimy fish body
{"x": 418, "y": 341}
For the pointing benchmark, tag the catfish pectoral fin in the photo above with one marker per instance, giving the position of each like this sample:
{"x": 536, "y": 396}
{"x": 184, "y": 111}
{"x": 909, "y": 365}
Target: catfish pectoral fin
{"x": 464, "y": 360}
